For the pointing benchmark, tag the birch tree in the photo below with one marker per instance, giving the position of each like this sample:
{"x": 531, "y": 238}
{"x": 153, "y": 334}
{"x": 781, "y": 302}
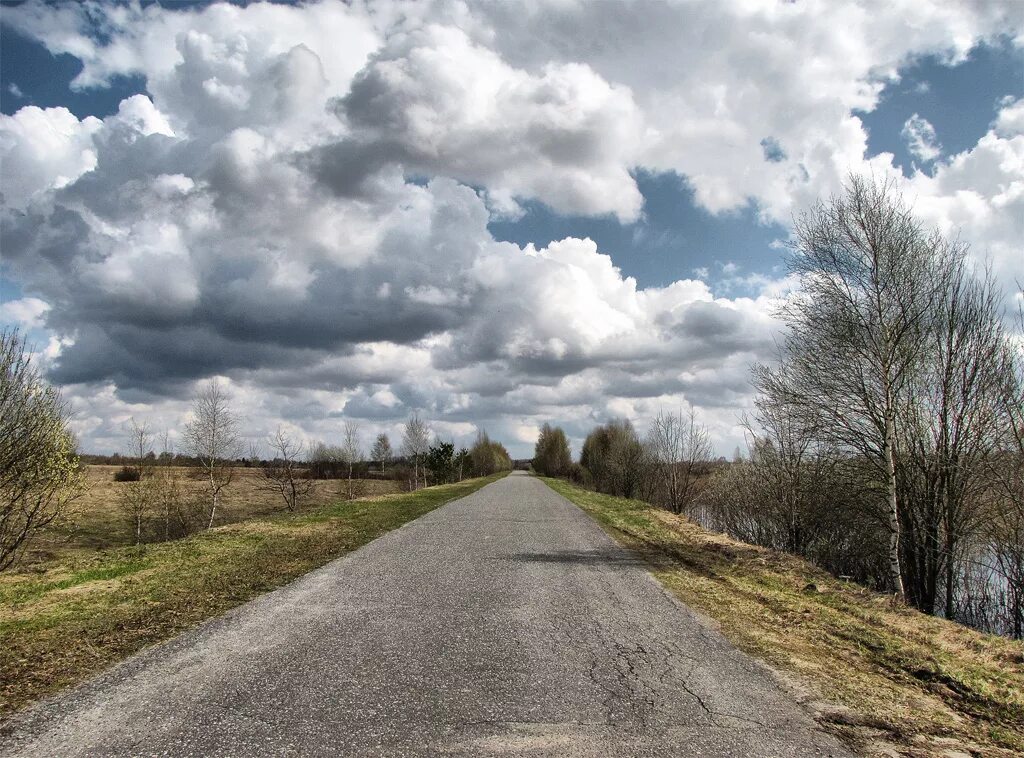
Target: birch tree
{"x": 869, "y": 277}
{"x": 381, "y": 451}
{"x": 212, "y": 437}
{"x": 415, "y": 442}
{"x": 351, "y": 452}
{"x": 136, "y": 498}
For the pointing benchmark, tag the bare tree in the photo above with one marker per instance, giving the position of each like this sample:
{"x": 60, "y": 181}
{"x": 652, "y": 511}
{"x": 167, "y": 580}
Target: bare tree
{"x": 212, "y": 437}
{"x": 381, "y": 451}
{"x": 415, "y": 442}
{"x": 39, "y": 470}
{"x": 351, "y": 452}
{"x": 869, "y": 278}
{"x": 135, "y": 498}
{"x": 1003, "y": 527}
{"x": 177, "y": 511}
{"x": 682, "y": 450}
{"x": 951, "y": 424}
{"x": 284, "y": 474}
{"x": 166, "y": 456}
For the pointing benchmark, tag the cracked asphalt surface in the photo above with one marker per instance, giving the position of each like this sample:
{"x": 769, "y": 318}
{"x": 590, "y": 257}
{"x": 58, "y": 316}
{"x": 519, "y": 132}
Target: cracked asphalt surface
{"x": 505, "y": 623}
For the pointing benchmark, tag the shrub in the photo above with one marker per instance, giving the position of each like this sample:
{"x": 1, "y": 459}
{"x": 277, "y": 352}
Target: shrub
{"x": 551, "y": 457}
{"x": 127, "y": 474}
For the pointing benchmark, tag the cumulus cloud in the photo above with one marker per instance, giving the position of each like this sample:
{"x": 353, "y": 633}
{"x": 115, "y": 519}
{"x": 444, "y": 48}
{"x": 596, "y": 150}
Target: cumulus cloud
{"x": 25, "y": 312}
{"x": 922, "y": 142}
{"x": 436, "y": 102}
{"x": 43, "y": 149}
{"x": 300, "y": 202}
{"x": 979, "y": 195}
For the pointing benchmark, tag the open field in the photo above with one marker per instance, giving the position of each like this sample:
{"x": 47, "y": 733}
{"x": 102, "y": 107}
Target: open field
{"x": 886, "y": 678}
{"x": 66, "y": 618}
{"x": 93, "y": 521}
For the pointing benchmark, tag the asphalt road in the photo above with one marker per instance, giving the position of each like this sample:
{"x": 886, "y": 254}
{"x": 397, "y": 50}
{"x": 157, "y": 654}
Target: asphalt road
{"x": 505, "y": 623}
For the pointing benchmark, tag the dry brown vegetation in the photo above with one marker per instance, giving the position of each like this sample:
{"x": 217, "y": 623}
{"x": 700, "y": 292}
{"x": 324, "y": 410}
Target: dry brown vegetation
{"x": 886, "y": 678}
{"x": 93, "y": 521}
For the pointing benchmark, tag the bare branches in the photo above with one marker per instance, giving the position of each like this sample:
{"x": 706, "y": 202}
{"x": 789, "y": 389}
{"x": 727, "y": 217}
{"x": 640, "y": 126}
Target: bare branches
{"x": 381, "y": 451}
{"x": 212, "y": 437}
{"x": 682, "y": 450}
{"x": 284, "y": 474}
{"x": 351, "y": 451}
{"x": 415, "y": 442}
{"x": 136, "y": 498}
{"x": 870, "y": 281}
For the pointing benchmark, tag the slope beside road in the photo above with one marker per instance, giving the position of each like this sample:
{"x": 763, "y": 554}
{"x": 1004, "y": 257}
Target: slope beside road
{"x": 504, "y": 623}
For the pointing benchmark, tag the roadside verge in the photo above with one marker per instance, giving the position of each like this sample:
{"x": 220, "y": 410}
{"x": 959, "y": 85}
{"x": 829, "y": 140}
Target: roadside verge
{"x": 60, "y": 626}
{"x": 885, "y": 678}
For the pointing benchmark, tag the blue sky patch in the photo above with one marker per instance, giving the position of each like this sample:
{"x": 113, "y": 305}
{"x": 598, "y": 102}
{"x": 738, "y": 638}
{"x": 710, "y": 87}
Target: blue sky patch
{"x": 959, "y": 101}
{"x": 31, "y": 75}
{"x": 674, "y": 238}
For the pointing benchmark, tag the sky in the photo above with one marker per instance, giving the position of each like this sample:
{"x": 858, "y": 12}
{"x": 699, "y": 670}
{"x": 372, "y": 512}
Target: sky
{"x": 495, "y": 215}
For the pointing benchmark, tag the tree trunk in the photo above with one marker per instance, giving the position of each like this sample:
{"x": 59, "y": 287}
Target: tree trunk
{"x": 213, "y": 511}
{"x": 895, "y": 571}
{"x": 950, "y": 572}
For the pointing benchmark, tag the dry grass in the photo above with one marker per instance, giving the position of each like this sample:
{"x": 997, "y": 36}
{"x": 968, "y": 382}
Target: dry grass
{"x": 886, "y": 678}
{"x": 93, "y": 521}
{"x": 69, "y": 617}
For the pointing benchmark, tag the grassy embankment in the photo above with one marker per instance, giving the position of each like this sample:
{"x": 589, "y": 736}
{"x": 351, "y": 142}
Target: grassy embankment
{"x": 66, "y": 618}
{"x": 887, "y": 679}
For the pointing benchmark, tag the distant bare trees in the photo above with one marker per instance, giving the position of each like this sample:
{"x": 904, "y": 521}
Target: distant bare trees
{"x": 284, "y": 474}
{"x": 381, "y": 451}
{"x": 488, "y": 456}
{"x": 616, "y": 461}
{"x": 39, "y": 469}
{"x": 136, "y": 498}
{"x": 415, "y": 443}
{"x": 212, "y": 437}
{"x": 681, "y": 451}
{"x": 351, "y": 452}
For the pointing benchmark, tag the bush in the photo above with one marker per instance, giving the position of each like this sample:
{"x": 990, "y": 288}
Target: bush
{"x": 489, "y": 457}
{"x": 551, "y": 457}
{"x": 127, "y": 474}
{"x": 39, "y": 469}
{"x": 616, "y": 461}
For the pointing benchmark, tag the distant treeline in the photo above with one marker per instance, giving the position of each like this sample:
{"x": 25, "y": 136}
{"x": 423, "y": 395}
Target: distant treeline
{"x": 41, "y": 472}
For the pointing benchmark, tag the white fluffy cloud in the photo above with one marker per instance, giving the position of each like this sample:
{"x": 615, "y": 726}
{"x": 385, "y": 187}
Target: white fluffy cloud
{"x": 43, "y": 149}
{"x": 921, "y": 140}
{"x": 979, "y": 195}
{"x": 438, "y": 103}
{"x": 301, "y": 202}
{"x": 26, "y": 312}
